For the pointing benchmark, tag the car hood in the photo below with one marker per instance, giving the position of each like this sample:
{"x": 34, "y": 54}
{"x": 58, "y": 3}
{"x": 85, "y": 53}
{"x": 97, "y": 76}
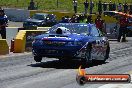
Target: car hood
{"x": 34, "y": 20}
{"x": 56, "y": 37}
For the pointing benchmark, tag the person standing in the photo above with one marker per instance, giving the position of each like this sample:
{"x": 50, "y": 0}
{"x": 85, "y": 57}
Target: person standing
{"x": 3, "y": 24}
{"x": 125, "y": 7}
{"x": 123, "y": 28}
{"x": 131, "y": 7}
{"x": 74, "y": 19}
{"x": 89, "y": 19}
{"x": 32, "y": 5}
{"x": 75, "y": 6}
{"x": 114, "y": 7}
{"x": 100, "y": 7}
{"x": 86, "y": 5}
{"x": 100, "y": 24}
{"x": 130, "y": 12}
{"x": 120, "y": 7}
{"x": 91, "y": 6}
{"x": 104, "y": 6}
{"x": 110, "y": 6}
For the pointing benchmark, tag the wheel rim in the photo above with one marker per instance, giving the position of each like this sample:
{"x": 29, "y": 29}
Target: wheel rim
{"x": 88, "y": 56}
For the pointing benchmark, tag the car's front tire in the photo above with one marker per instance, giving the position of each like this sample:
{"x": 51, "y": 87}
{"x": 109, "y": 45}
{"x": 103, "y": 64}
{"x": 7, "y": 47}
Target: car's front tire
{"x": 107, "y": 54}
{"x": 88, "y": 58}
{"x": 38, "y": 58}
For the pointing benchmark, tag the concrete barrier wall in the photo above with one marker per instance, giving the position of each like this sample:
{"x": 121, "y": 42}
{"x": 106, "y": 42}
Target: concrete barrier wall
{"x": 19, "y": 43}
{"x": 4, "y": 48}
{"x": 17, "y": 14}
{"x": 24, "y": 38}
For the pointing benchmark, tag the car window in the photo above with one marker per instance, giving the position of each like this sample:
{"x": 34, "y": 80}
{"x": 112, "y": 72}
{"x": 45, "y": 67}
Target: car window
{"x": 94, "y": 31}
{"x": 109, "y": 13}
{"x": 79, "y": 28}
{"x": 39, "y": 17}
{"x": 51, "y": 16}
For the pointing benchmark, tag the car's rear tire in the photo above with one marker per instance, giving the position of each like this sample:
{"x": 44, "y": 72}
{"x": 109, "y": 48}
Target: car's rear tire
{"x": 38, "y": 58}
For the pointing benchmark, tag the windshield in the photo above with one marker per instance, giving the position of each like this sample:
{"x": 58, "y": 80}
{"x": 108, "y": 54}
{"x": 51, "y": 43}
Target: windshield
{"x": 39, "y": 16}
{"x": 79, "y": 28}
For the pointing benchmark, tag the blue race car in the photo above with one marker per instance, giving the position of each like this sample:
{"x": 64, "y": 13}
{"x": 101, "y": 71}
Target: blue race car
{"x": 71, "y": 41}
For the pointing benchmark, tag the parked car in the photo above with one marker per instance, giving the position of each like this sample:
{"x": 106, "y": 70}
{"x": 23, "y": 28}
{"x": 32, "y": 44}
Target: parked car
{"x": 110, "y": 13}
{"x": 72, "y": 41}
{"x": 40, "y": 20}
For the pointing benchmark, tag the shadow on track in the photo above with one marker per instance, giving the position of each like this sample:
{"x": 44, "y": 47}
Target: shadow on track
{"x": 74, "y": 64}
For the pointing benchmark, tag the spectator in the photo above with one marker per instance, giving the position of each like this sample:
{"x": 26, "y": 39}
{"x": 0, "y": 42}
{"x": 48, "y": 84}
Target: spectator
{"x": 110, "y": 6}
{"x": 64, "y": 20}
{"x": 3, "y": 24}
{"x": 89, "y": 19}
{"x": 68, "y": 19}
{"x": 104, "y": 6}
{"x": 100, "y": 24}
{"x": 82, "y": 19}
{"x": 32, "y": 5}
{"x": 75, "y": 6}
{"x": 86, "y": 4}
{"x": 120, "y": 7}
{"x": 131, "y": 7}
{"x": 123, "y": 28}
{"x": 114, "y": 7}
{"x": 125, "y": 7}
{"x": 91, "y": 6}
{"x": 130, "y": 12}
{"x": 74, "y": 19}
{"x": 100, "y": 8}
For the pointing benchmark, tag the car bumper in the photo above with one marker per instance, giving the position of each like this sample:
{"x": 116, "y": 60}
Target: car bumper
{"x": 54, "y": 53}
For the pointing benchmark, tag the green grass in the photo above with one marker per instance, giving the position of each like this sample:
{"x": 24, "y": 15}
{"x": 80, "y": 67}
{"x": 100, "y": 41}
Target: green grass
{"x": 64, "y": 5}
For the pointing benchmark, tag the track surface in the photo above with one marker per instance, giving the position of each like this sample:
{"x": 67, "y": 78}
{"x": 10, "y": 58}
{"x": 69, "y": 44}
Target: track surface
{"x": 24, "y": 72}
